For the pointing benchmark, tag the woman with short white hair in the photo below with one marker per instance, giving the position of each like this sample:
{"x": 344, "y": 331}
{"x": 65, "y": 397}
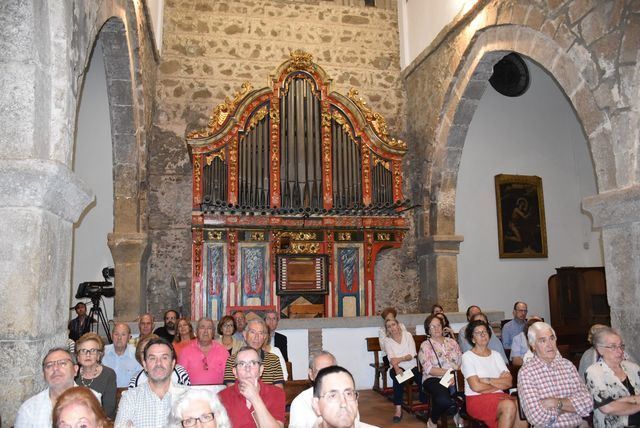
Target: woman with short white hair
{"x": 198, "y": 405}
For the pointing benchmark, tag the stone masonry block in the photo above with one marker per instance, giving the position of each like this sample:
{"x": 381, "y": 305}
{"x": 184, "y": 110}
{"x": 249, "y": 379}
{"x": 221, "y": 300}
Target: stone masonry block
{"x": 17, "y": 99}
{"x": 588, "y": 112}
{"x": 535, "y": 19}
{"x": 16, "y": 31}
{"x": 603, "y": 158}
{"x": 579, "y": 8}
{"x": 170, "y": 201}
{"x": 629, "y": 49}
{"x": 584, "y": 62}
{"x": 565, "y": 72}
{"x": 606, "y": 51}
{"x": 629, "y": 83}
{"x": 607, "y": 94}
{"x": 122, "y": 120}
{"x": 594, "y": 25}
{"x": 120, "y": 92}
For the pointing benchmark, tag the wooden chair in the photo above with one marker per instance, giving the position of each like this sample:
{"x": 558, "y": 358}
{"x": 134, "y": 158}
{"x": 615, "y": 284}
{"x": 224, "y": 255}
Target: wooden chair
{"x": 289, "y": 370}
{"x": 410, "y": 404}
{"x": 381, "y": 369}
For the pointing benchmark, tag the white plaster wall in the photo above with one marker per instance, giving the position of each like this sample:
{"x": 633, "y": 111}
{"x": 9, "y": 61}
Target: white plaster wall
{"x": 420, "y": 21}
{"x": 535, "y": 134}
{"x": 93, "y": 164}
{"x": 155, "y": 9}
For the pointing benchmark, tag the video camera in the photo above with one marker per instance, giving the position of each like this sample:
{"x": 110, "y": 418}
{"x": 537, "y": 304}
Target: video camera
{"x": 97, "y": 289}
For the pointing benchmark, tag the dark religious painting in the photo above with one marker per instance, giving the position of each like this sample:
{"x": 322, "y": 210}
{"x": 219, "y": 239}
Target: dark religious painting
{"x": 521, "y": 225}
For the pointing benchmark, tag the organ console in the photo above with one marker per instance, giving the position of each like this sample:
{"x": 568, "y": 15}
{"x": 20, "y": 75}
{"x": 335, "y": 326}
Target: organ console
{"x": 296, "y": 189}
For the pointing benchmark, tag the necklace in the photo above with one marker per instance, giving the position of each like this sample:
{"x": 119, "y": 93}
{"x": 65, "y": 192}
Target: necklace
{"x": 90, "y": 381}
{"x": 87, "y": 384}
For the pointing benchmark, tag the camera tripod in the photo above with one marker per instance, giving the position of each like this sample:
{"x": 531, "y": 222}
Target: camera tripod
{"x": 97, "y": 318}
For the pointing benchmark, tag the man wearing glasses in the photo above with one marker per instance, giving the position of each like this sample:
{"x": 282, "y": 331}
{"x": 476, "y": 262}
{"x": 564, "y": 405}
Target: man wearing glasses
{"x": 255, "y": 335}
{"x": 335, "y": 399}
{"x": 203, "y": 358}
{"x": 59, "y": 370}
{"x": 516, "y": 325}
{"x": 251, "y": 403}
{"x": 550, "y": 389}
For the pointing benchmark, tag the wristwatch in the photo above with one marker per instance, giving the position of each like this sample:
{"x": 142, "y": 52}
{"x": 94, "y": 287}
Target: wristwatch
{"x": 559, "y": 406}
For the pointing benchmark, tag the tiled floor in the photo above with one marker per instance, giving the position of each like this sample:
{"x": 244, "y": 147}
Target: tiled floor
{"x": 377, "y": 410}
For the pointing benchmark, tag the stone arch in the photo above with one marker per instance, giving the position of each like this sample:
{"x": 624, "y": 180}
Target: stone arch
{"x": 126, "y": 47}
{"x": 459, "y": 104}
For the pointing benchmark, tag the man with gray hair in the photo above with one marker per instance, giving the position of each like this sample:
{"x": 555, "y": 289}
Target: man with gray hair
{"x": 551, "y": 392}
{"x": 59, "y": 369}
{"x": 301, "y": 412}
{"x": 255, "y": 334}
{"x": 121, "y": 356}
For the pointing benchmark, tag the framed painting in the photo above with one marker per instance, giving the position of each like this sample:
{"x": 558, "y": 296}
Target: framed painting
{"x": 522, "y": 232}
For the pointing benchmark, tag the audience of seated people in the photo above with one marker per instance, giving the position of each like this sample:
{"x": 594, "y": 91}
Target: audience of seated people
{"x": 168, "y": 330}
{"x": 591, "y": 355}
{"x": 276, "y": 339}
{"x": 552, "y": 392}
{"x": 203, "y": 358}
{"x": 184, "y": 335}
{"x": 520, "y": 350}
{"x": 438, "y": 357}
{"x": 121, "y": 356}
{"x": 255, "y": 334}
{"x": 79, "y": 407}
{"x": 226, "y": 335}
{"x": 145, "y": 328}
{"x": 486, "y": 377}
{"x": 301, "y": 413}
{"x": 95, "y": 375}
{"x": 250, "y": 402}
{"x": 614, "y": 382}
{"x": 401, "y": 352}
{"x": 179, "y": 375}
{"x": 515, "y": 326}
{"x": 198, "y": 407}
{"x": 148, "y": 405}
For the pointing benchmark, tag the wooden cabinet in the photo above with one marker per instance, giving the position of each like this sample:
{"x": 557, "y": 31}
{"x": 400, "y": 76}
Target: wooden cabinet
{"x": 577, "y": 300}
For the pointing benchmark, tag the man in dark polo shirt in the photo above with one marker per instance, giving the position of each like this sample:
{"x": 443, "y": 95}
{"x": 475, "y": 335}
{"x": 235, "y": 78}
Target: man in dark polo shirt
{"x": 255, "y": 334}
{"x": 250, "y": 402}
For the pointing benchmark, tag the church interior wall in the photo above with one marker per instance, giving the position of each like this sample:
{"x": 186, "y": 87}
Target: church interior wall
{"x": 534, "y": 134}
{"x": 209, "y": 50}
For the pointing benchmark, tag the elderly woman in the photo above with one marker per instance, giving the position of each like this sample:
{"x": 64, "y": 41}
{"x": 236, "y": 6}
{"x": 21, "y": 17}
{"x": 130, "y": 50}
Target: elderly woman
{"x": 78, "y": 406}
{"x": 94, "y": 375}
{"x": 198, "y": 407}
{"x": 401, "y": 351}
{"x": 179, "y": 375}
{"x": 184, "y": 335}
{"x": 485, "y": 378}
{"x": 226, "y": 330}
{"x": 613, "y": 382}
{"x": 438, "y": 355}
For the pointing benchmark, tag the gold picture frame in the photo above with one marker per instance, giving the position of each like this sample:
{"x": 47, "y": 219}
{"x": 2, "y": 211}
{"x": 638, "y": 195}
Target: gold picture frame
{"x": 522, "y": 231}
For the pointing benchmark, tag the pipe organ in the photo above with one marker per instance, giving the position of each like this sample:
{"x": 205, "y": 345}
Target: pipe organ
{"x": 296, "y": 189}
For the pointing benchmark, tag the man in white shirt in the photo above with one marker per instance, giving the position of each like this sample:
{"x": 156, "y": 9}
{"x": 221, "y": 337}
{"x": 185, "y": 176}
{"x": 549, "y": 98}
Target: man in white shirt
{"x": 335, "y": 399}
{"x": 59, "y": 370}
{"x": 148, "y": 405}
{"x": 301, "y": 414}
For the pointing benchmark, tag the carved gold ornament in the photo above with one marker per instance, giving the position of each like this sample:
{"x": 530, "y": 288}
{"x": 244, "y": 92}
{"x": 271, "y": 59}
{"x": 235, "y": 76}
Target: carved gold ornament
{"x": 257, "y": 117}
{"x": 300, "y": 236}
{"x": 212, "y": 156}
{"x": 385, "y": 164}
{"x": 214, "y": 235}
{"x": 376, "y": 120}
{"x": 304, "y": 248}
{"x": 221, "y": 112}
{"x": 300, "y": 60}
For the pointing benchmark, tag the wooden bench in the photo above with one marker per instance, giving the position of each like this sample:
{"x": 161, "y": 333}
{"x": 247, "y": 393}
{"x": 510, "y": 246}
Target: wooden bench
{"x": 381, "y": 369}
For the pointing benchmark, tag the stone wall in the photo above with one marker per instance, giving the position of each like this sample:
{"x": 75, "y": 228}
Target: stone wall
{"x": 591, "y": 49}
{"x": 210, "y": 49}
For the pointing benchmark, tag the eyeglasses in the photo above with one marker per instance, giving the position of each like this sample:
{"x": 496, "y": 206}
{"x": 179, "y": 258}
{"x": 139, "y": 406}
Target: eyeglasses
{"x": 334, "y": 395}
{"x": 257, "y": 333}
{"x": 481, "y": 333}
{"x": 92, "y": 351}
{"x": 49, "y": 365}
{"x": 191, "y": 422}
{"x": 227, "y": 325}
{"x": 248, "y": 364}
{"x": 614, "y": 347}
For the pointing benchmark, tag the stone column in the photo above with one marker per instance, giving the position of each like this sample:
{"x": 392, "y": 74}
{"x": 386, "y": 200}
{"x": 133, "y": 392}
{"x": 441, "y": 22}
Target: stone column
{"x": 39, "y": 202}
{"x": 130, "y": 252}
{"x": 438, "y": 267}
{"x": 617, "y": 212}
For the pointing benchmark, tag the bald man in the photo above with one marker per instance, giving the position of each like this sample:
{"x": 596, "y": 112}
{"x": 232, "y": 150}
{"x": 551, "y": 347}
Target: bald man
{"x": 121, "y": 356}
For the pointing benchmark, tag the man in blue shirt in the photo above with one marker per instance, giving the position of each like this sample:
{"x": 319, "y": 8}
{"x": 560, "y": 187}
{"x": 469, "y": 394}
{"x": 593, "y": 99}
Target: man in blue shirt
{"x": 516, "y": 325}
{"x": 121, "y": 356}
